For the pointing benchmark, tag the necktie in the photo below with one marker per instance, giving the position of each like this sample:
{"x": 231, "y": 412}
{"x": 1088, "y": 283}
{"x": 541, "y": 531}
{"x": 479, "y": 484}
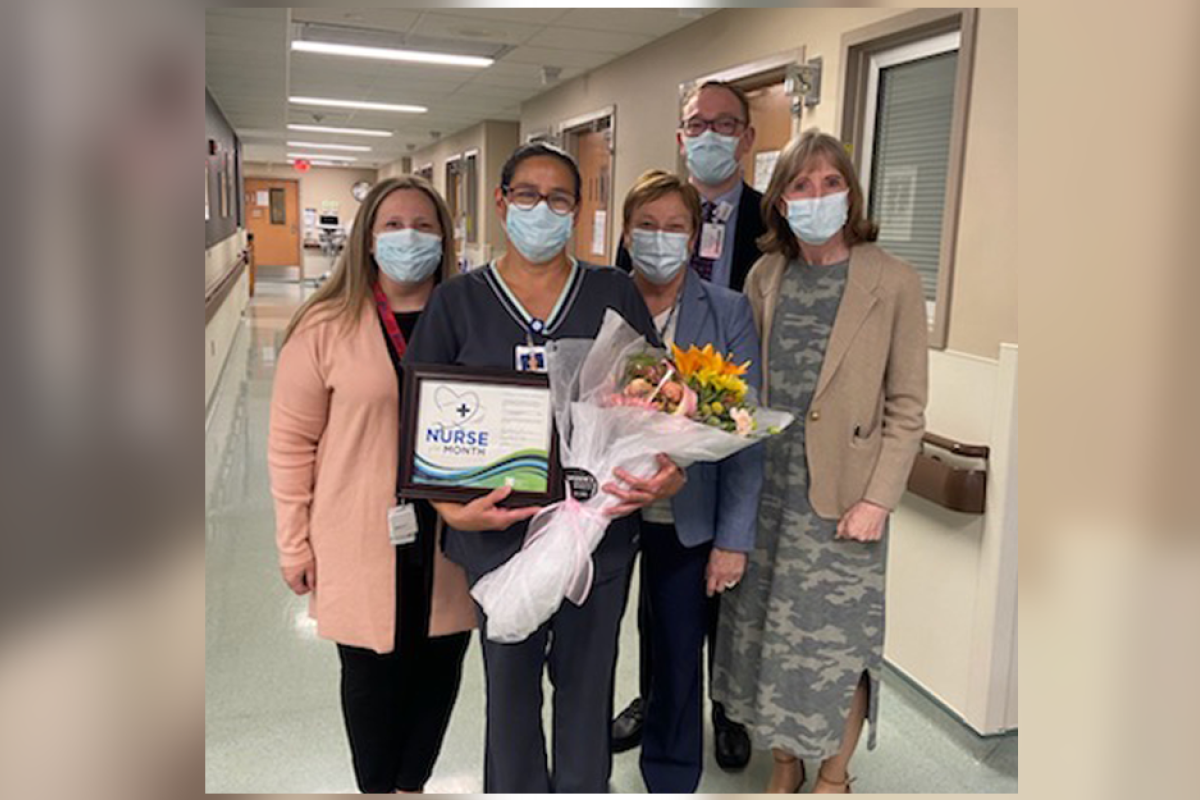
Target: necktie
{"x": 704, "y": 266}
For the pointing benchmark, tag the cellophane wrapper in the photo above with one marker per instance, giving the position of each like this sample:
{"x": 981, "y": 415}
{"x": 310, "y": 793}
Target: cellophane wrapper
{"x": 555, "y": 561}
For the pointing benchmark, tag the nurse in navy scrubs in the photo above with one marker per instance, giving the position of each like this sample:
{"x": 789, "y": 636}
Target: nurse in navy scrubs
{"x": 497, "y": 316}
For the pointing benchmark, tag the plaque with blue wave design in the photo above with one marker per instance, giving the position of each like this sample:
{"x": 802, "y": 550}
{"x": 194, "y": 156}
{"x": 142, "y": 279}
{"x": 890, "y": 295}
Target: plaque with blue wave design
{"x": 465, "y": 432}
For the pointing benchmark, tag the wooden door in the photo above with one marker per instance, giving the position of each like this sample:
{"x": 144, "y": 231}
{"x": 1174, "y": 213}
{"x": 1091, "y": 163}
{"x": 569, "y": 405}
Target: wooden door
{"x": 595, "y": 215}
{"x": 273, "y": 216}
{"x": 771, "y": 113}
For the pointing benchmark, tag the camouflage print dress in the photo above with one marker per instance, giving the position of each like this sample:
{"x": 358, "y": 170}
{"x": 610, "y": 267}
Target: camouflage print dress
{"x": 806, "y": 620}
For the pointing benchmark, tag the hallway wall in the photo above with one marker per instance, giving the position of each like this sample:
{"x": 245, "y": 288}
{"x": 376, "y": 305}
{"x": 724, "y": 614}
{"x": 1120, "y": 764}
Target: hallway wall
{"x": 319, "y": 184}
{"x": 225, "y": 239}
{"x": 316, "y": 186}
{"x": 494, "y": 140}
{"x": 644, "y": 88}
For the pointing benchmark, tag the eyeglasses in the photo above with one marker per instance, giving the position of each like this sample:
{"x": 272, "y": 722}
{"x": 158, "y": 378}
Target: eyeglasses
{"x": 525, "y": 198}
{"x": 726, "y": 126}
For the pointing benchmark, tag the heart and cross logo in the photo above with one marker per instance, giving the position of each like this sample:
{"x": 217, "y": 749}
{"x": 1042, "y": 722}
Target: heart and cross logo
{"x": 456, "y": 408}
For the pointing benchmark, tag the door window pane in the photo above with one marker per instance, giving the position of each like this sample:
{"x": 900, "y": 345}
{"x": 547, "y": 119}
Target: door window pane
{"x": 278, "y": 207}
{"x": 910, "y": 161}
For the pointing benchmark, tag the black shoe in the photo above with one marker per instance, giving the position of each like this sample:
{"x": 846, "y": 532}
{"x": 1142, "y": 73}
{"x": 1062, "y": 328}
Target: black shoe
{"x": 731, "y": 743}
{"x": 627, "y": 727}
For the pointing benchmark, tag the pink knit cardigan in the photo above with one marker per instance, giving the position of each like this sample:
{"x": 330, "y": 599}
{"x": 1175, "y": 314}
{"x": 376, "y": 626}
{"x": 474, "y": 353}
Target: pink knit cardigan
{"x": 332, "y": 454}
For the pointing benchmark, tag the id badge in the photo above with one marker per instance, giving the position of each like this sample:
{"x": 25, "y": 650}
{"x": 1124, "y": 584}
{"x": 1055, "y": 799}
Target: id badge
{"x": 712, "y": 240}
{"x": 402, "y": 524}
{"x": 530, "y": 358}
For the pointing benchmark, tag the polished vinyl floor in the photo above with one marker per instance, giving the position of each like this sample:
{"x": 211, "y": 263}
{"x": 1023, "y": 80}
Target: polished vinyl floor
{"x": 273, "y": 721}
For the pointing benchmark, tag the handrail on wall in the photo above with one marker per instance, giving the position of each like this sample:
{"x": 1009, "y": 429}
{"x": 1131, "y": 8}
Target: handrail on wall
{"x": 950, "y": 486}
{"x": 215, "y": 295}
{"x": 958, "y": 448}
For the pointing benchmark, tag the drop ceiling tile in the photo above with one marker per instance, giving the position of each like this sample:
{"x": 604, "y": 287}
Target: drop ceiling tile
{"x": 475, "y": 29}
{"x": 304, "y": 65}
{"x": 556, "y": 57}
{"x": 388, "y": 19}
{"x": 580, "y": 39}
{"x": 529, "y": 16}
{"x": 648, "y": 21}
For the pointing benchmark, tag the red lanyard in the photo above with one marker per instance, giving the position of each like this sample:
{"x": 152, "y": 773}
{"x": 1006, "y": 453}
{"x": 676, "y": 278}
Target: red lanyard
{"x": 389, "y": 321}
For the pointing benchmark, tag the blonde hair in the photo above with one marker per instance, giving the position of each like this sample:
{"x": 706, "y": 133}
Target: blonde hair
{"x": 655, "y": 183}
{"x": 343, "y": 295}
{"x": 796, "y": 156}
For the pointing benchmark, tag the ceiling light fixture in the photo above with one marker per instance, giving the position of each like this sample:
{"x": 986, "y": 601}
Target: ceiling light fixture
{"x": 347, "y": 131}
{"x": 319, "y": 146}
{"x": 320, "y": 163}
{"x": 365, "y": 106}
{"x": 390, "y": 54}
{"x": 325, "y": 156}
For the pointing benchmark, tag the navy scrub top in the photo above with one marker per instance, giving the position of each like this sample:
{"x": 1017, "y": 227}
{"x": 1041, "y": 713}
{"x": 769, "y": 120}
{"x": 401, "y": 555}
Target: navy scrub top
{"x": 472, "y": 320}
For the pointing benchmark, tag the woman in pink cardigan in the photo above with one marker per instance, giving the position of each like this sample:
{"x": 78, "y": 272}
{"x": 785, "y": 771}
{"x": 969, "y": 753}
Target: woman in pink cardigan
{"x": 398, "y": 610}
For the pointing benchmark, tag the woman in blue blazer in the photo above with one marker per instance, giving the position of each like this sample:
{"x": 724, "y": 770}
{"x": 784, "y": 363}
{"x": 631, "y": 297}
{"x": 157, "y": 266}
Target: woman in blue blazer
{"x": 694, "y": 545}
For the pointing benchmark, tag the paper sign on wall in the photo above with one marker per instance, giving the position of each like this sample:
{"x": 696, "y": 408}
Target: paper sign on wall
{"x": 329, "y": 206}
{"x": 262, "y": 198}
{"x": 599, "y": 226}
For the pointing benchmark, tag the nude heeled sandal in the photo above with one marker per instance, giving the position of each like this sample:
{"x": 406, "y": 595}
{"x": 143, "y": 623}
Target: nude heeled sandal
{"x": 845, "y": 784}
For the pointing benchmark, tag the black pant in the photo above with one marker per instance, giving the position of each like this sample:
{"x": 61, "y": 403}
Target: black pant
{"x": 397, "y": 705}
{"x": 674, "y": 604}
{"x": 645, "y": 651}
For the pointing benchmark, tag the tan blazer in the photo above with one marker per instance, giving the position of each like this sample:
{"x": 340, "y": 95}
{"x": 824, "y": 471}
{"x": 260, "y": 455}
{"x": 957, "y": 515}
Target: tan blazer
{"x": 332, "y": 453}
{"x": 868, "y": 412}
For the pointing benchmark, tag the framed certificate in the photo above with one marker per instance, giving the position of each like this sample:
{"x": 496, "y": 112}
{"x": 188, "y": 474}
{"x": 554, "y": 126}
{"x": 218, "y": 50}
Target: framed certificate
{"x": 467, "y": 431}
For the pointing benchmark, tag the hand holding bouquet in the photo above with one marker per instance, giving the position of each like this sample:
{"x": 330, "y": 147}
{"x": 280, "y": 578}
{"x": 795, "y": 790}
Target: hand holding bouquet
{"x": 618, "y": 402}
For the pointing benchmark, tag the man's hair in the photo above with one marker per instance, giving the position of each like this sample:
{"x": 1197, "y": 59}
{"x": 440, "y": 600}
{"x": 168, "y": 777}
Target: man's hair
{"x": 729, "y": 87}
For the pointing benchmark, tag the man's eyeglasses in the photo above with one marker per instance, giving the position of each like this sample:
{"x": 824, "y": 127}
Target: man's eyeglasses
{"x": 525, "y": 198}
{"x": 726, "y": 126}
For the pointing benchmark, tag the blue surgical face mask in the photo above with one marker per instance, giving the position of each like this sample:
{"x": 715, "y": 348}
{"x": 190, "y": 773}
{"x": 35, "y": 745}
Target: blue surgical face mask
{"x": 408, "y": 255}
{"x": 539, "y": 233}
{"x": 710, "y": 156}
{"x": 816, "y": 220}
{"x": 659, "y": 255}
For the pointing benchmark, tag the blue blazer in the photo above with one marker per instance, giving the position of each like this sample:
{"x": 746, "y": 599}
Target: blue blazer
{"x": 719, "y": 502}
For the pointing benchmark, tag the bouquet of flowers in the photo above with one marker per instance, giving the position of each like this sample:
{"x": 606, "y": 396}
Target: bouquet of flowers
{"x": 618, "y": 402}
{"x": 696, "y": 383}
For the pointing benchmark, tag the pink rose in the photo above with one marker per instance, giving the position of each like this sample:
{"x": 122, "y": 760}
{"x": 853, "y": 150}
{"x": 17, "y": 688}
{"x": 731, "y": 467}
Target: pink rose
{"x": 687, "y": 403}
{"x": 638, "y": 387}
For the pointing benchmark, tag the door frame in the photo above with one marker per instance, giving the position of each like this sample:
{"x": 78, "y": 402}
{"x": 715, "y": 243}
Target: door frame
{"x": 299, "y": 213}
{"x": 858, "y": 46}
{"x": 777, "y": 62}
{"x": 566, "y": 128}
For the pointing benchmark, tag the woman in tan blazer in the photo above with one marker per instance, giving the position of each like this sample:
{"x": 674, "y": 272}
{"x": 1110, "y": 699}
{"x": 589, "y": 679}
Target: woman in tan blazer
{"x": 843, "y": 331}
{"x": 398, "y": 610}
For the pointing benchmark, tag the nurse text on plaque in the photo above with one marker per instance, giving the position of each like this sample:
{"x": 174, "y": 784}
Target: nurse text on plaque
{"x": 466, "y": 431}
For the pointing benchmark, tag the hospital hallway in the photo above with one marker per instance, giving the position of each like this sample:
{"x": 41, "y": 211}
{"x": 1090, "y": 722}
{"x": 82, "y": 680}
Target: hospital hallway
{"x": 273, "y": 718}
